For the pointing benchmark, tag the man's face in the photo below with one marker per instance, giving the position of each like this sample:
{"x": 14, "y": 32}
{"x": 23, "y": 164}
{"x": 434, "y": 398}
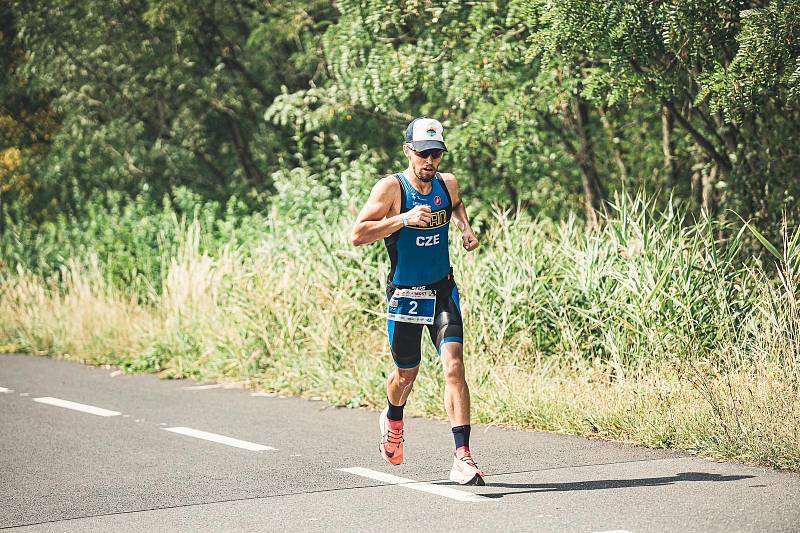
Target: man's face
{"x": 425, "y": 164}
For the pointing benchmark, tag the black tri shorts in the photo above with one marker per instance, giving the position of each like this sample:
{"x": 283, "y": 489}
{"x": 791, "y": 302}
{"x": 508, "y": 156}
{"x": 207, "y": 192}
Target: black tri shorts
{"x": 405, "y": 338}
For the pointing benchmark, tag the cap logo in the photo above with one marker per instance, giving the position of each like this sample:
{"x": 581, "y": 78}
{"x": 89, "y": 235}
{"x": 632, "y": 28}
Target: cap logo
{"x": 431, "y": 132}
{"x": 437, "y": 200}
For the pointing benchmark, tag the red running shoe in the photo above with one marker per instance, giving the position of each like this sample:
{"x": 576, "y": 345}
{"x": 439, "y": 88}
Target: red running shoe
{"x": 391, "y": 446}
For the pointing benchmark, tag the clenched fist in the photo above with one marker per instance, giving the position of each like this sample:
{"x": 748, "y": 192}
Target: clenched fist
{"x": 469, "y": 240}
{"x": 419, "y": 216}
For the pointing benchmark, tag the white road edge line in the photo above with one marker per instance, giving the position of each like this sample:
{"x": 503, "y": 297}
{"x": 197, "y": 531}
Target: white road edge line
{"x": 447, "y": 492}
{"x": 203, "y": 387}
{"x": 220, "y": 439}
{"x": 91, "y": 409}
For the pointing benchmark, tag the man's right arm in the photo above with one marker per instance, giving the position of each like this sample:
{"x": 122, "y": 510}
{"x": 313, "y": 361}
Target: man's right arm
{"x": 372, "y": 223}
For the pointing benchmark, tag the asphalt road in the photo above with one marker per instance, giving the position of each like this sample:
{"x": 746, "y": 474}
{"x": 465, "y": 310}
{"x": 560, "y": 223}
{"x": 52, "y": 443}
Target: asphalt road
{"x": 298, "y": 465}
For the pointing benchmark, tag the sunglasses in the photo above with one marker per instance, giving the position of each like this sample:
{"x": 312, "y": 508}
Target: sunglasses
{"x": 425, "y": 154}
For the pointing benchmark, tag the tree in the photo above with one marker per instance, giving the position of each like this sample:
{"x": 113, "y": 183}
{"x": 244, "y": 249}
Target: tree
{"x": 27, "y": 121}
{"x": 165, "y": 93}
{"x": 686, "y": 57}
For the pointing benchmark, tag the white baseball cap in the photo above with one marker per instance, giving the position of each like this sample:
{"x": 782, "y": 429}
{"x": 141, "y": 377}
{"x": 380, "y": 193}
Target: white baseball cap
{"x": 425, "y": 133}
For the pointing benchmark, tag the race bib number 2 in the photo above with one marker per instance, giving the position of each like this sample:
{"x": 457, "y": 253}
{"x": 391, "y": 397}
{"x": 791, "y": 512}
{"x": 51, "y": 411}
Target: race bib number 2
{"x": 412, "y": 305}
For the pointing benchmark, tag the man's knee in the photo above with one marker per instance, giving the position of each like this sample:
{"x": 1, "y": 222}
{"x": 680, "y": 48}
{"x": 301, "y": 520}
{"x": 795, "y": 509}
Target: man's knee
{"x": 453, "y": 369}
{"x": 406, "y": 376}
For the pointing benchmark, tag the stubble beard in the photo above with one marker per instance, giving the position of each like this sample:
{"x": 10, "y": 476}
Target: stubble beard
{"x": 423, "y": 178}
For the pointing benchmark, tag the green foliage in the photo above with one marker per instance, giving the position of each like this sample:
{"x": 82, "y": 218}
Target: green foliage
{"x": 632, "y": 332}
{"x": 545, "y": 102}
{"x": 721, "y": 69}
{"x": 164, "y": 94}
{"x": 766, "y": 68}
{"x": 131, "y": 239}
{"x": 549, "y": 106}
{"x": 332, "y": 195}
{"x": 157, "y": 144}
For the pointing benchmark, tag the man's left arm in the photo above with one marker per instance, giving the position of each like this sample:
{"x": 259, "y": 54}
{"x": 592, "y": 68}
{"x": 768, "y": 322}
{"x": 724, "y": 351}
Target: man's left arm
{"x": 468, "y": 238}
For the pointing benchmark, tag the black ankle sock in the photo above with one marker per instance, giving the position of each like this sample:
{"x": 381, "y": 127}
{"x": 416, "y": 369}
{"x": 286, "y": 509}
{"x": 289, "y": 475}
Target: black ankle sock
{"x": 395, "y": 411}
{"x": 461, "y": 436}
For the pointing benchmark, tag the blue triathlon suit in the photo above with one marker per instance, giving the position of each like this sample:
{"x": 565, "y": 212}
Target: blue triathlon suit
{"x": 420, "y": 258}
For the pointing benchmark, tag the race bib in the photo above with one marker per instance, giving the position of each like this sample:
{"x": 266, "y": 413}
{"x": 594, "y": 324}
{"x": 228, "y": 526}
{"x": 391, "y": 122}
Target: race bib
{"x": 413, "y": 305}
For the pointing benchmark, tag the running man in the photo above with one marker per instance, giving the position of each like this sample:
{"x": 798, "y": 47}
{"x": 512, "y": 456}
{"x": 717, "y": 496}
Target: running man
{"x": 411, "y": 211}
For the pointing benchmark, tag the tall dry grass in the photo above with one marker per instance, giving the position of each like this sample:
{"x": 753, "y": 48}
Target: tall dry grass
{"x": 650, "y": 331}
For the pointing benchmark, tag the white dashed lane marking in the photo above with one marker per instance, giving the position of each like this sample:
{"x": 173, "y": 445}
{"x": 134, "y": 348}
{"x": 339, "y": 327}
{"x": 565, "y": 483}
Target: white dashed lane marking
{"x": 220, "y": 439}
{"x": 91, "y": 409}
{"x": 439, "y": 490}
{"x": 4, "y": 390}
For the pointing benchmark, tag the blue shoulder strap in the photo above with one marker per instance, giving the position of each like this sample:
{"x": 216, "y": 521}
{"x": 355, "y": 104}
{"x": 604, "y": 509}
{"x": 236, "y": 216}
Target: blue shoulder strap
{"x": 403, "y": 193}
{"x": 444, "y": 186}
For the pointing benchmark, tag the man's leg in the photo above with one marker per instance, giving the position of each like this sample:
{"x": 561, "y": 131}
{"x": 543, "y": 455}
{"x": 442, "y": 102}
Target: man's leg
{"x": 404, "y": 340}
{"x": 447, "y": 335}
{"x": 456, "y": 390}
{"x": 456, "y": 402}
{"x": 399, "y": 385}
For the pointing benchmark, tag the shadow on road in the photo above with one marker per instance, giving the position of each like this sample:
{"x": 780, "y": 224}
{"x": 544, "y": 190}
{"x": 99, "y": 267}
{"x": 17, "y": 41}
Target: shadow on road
{"x": 607, "y": 483}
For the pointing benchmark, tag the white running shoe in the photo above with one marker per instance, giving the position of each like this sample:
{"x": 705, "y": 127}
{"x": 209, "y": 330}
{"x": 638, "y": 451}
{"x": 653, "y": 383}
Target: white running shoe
{"x": 465, "y": 471}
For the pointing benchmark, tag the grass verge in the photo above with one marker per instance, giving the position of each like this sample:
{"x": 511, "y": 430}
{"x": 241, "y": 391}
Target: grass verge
{"x": 650, "y": 331}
